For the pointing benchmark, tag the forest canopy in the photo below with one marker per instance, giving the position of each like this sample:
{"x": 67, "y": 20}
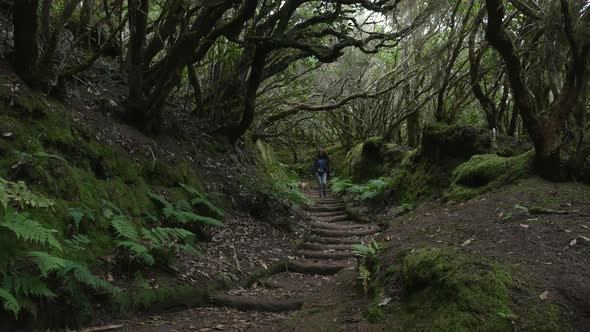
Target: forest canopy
{"x": 326, "y": 72}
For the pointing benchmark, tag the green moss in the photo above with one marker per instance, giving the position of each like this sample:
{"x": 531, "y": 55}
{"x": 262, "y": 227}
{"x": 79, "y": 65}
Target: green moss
{"x": 443, "y": 290}
{"x": 373, "y": 159}
{"x": 483, "y": 173}
{"x": 275, "y": 179}
{"x": 161, "y": 173}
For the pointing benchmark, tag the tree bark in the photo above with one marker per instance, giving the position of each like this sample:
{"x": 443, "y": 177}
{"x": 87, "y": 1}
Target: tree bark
{"x": 546, "y": 131}
{"x": 26, "y": 24}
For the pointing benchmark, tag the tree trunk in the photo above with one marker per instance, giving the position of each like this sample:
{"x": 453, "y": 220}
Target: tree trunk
{"x": 26, "y": 22}
{"x": 136, "y": 101}
{"x": 46, "y": 19}
{"x": 413, "y": 127}
{"x": 85, "y": 17}
{"x": 234, "y": 132}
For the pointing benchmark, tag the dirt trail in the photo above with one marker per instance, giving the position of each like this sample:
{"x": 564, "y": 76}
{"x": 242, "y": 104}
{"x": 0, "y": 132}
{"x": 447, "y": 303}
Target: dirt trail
{"x": 273, "y": 300}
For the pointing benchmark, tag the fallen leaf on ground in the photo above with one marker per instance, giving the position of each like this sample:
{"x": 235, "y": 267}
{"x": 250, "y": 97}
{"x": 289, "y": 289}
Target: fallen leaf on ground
{"x": 385, "y": 301}
{"x": 573, "y": 242}
{"x": 468, "y": 241}
{"x": 524, "y": 226}
{"x": 544, "y": 295}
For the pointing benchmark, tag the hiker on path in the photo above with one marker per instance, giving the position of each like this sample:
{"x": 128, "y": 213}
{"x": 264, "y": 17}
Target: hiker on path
{"x": 321, "y": 169}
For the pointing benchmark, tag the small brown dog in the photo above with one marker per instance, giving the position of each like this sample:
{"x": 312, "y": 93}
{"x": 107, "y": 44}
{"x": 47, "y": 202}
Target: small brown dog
{"x": 304, "y": 187}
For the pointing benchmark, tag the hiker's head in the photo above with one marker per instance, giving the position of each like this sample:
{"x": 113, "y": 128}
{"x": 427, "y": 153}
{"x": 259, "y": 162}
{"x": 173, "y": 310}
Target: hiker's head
{"x": 322, "y": 154}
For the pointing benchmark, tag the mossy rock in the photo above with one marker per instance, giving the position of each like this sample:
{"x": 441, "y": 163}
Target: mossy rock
{"x": 483, "y": 173}
{"x": 444, "y": 290}
{"x": 441, "y": 141}
{"x": 373, "y": 159}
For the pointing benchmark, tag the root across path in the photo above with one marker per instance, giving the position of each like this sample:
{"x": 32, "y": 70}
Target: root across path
{"x": 325, "y": 251}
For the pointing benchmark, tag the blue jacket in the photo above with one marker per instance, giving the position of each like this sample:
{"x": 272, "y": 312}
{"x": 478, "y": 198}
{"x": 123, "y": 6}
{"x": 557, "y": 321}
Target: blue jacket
{"x": 321, "y": 165}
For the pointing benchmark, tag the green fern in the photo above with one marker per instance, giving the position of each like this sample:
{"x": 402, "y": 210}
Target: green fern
{"x": 200, "y": 198}
{"x": 30, "y": 230}
{"x": 339, "y": 185}
{"x": 110, "y": 209}
{"x": 73, "y": 271}
{"x": 78, "y": 242}
{"x": 46, "y": 262}
{"x": 17, "y": 192}
{"x": 365, "y": 277}
{"x": 182, "y": 212}
{"x": 124, "y": 228}
{"x": 138, "y": 251}
{"x": 27, "y": 285}
{"x": 79, "y": 214}
{"x": 10, "y": 302}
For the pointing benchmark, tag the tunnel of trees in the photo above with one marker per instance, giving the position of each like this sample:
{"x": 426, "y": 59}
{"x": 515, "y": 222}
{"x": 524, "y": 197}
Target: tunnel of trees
{"x": 129, "y": 127}
{"x": 378, "y": 67}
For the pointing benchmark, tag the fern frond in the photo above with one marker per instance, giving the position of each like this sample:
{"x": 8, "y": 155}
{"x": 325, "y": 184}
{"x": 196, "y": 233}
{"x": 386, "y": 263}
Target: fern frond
{"x": 193, "y": 191}
{"x": 82, "y": 275}
{"x": 124, "y": 228}
{"x": 138, "y": 250}
{"x": 161, "y": 200}
{"x": 166, "y": 235}
{"x": 78, "y": 214}
{"x": 171, "y": 213}
{"x": 202, "y": 201}
{"x": 188, "y": 248}
{"x": 183, "y": 205}
{"x": 30, "y": 230}
{"x": 17, "y": 192}
{"x": 46, "y": 262}
{"x": 77, "y": 242}
{"x": 10, "y": 302}
{"x": 110, "y": 206}
{"x": 27, "y": 285}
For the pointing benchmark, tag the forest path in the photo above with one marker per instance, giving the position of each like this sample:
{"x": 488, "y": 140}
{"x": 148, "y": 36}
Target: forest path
{"x": 271, "y": 301}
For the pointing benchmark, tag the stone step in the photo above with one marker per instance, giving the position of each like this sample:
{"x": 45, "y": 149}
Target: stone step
{"x": 316, "y": 268}
{"x": 327, "y": 254}
{"x": 345, "y": 233}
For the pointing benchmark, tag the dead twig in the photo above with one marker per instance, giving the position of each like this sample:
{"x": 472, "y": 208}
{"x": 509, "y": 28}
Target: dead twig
{"x": 103, "y": 328}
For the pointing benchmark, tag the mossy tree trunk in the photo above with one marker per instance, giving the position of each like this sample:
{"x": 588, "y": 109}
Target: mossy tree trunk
{"x": 547, "y": 130}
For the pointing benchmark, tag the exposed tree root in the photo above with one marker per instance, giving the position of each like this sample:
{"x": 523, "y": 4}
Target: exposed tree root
{"x": 328, "y": 255}
{"x": 251, "y": 303}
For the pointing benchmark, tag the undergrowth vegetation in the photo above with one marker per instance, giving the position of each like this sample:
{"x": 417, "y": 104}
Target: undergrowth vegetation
{"x": 280, "y": 182}
{"x": 36, "y": 264}
{"x": 69, "y": 203}
{"x": 362, "y": 192}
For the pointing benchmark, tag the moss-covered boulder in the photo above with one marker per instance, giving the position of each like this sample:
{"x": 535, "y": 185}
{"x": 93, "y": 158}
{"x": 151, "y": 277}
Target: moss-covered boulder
{"x": 483, "y": 173}
{"x": 437, "y": 289}
{"x": 373, "y": 159}
{"x": 441, "y": 141}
